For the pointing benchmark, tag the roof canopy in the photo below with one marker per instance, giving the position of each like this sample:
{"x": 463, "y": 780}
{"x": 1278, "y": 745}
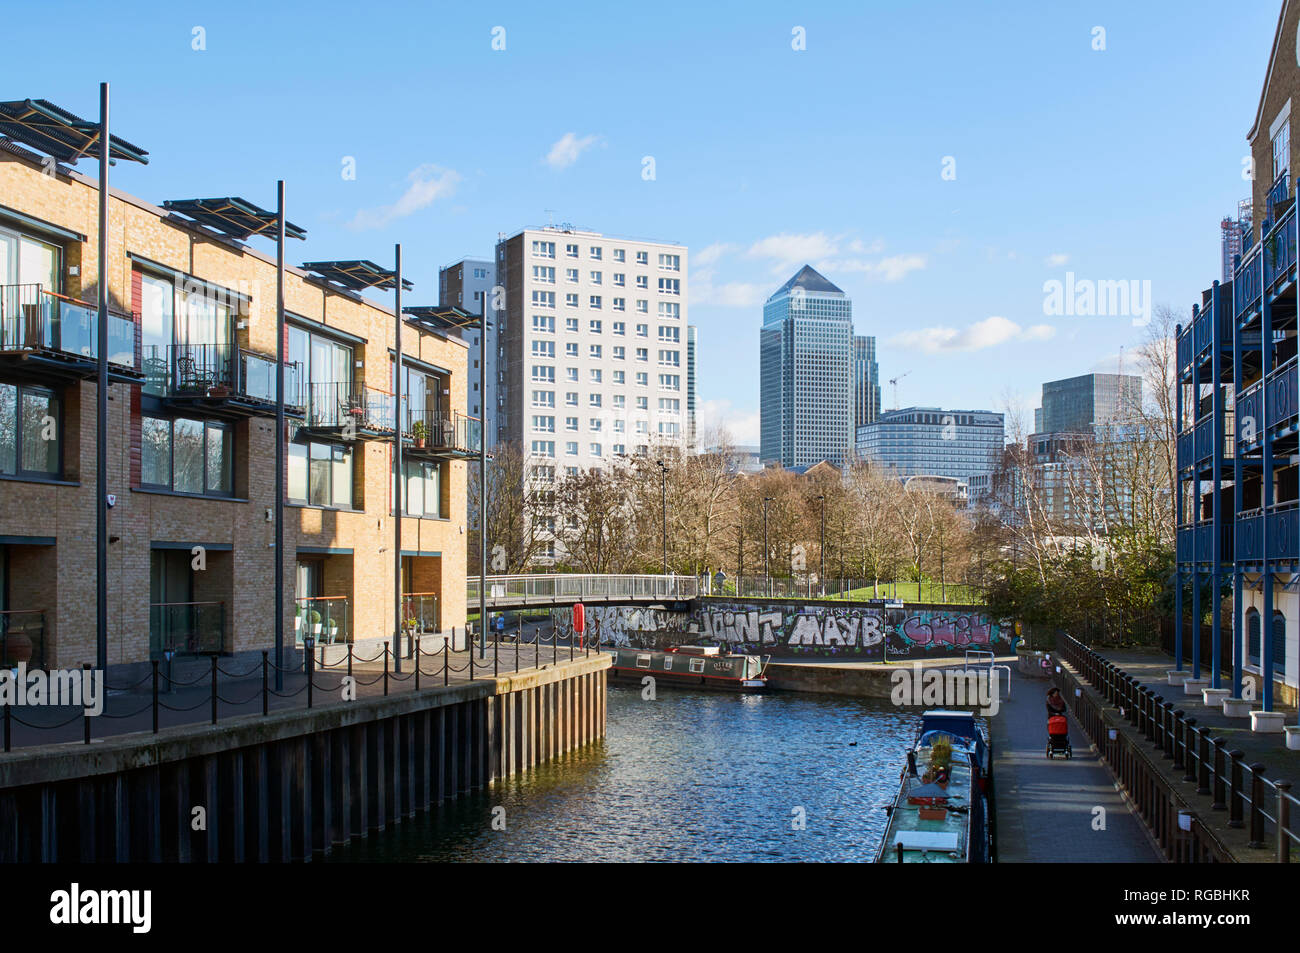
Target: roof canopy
{"x": 444, "y": 319}
{"x": 56, "y": 132}
{"x": 356, "y": 275}
{"x": 234, "y": 217}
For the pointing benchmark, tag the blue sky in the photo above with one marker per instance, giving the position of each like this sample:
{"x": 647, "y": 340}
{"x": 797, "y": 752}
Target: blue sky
{"x": 1113, "y": 164}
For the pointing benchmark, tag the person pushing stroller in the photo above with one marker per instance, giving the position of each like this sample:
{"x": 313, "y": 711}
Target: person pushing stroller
{"x": 1058, "y": 727}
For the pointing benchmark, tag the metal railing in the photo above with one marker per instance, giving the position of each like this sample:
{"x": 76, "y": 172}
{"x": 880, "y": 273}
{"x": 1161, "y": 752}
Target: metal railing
{"x": 1266, "y": 808}
{"x": 217, "y": 370}
{"x": 847, "y": 589}
{"x": 34, "y": 319}
{"x": 420, "y": 612}
{"x": 22, "y": 638}
{"x": 454, "y": 432}
{"x": 187, "y": 628}
{"x": 327, "y": 620}
{"x": 561, "y": 588}
{"x": 336, "y": 404}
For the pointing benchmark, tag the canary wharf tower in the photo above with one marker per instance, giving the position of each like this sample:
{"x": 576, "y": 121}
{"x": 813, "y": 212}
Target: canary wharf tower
{"x": 806, "y": 373}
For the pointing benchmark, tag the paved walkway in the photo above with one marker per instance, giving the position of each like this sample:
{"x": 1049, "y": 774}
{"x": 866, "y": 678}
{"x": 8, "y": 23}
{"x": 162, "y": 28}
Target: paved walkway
{"x": 1046, "y": 808}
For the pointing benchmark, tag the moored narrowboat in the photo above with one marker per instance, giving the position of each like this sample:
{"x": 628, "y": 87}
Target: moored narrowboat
{"x": 941, "y": 814}
{"x": 691, "y": 666}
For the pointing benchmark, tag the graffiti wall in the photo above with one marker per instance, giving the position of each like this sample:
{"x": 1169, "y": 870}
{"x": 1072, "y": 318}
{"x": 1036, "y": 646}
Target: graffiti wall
{"x": 795, "y": 630}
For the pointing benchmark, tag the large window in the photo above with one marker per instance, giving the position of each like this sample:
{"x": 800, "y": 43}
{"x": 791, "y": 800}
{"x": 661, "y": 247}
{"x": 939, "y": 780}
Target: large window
{"x": 320, "y": 473}
{"x": 422, "y": 489}
{"x": 30, "y": 428}
{"x": 185, "y": 325}
{"x": 28, "y": 261}
{"x": 187, "y": 456}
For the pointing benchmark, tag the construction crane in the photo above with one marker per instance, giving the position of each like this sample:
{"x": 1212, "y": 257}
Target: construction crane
{"x": 893, "y": 382}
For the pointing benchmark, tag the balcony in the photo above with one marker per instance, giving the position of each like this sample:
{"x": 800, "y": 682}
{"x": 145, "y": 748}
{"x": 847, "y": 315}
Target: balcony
{"x": 1280, "y": 253}
{"x": 1204, "y": 439}
{"x": 441, "y": 434}
{"x": 1195, "y": 543}
{"x": 1186, "y": 443}
{"x": 1280, "y": 389}
{"x": 326, "y": 619}
{"x": 1283, "y": 534}
{"x": 219, "y": 377}
{"x": 1185, "y": 350}
{"x": 22, "y": 638}
{"x": 40, "y": 330}
{"x": 331, "y": 407}
{"x": 1248, "y": 285}
{"x": 187, "y": 628}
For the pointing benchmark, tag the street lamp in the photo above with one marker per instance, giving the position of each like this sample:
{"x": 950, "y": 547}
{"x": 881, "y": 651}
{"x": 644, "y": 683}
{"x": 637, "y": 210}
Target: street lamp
{"x": 822, "y": 498}
{"x": 663, "y": 479}
{"x": 766, "y": 551}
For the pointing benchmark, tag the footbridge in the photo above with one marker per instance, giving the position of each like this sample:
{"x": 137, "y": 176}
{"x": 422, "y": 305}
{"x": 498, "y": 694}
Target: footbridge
{"x": 552, "y": 590}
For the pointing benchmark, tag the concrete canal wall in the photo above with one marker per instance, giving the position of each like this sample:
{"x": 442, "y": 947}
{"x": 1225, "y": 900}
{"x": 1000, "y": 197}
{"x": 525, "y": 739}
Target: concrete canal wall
{"x": 804, "y": 630}
{"x": 291, "y": 784}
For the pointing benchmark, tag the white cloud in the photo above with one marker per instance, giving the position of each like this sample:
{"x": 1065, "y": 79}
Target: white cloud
{"x": 1057, "y": 260}
{"x": 568, "y": 148}
{"x": 893, "y": 268}
{"x": 788, "y": 250}
{"x": 710, "y": 254}
{"x": 982, "y": 334}
{"x": 427, "y": 183}
{"x": 731, "y": 294}
{"x": 741, "y": 423}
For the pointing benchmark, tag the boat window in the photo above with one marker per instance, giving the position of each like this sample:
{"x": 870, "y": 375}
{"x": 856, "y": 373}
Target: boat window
{"x": 643, "y": 661}
{"x": 668, "y": 663}
{"x": 697, "y": 665}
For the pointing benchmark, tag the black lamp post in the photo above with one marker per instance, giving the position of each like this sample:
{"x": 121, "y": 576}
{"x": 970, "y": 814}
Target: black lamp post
{"x": 663, "y": 479}
{"x": 767, "y": 574}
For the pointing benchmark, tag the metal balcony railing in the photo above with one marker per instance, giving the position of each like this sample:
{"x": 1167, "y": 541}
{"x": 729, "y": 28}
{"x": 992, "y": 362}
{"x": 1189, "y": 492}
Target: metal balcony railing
{"x": 447, "y": 432}
{"x": 22, "y": 638}
{"x": 1280, "y": 249}
{"x": 563, "y": 588}
{"x": 1283, "y": 533}
{"x": 1248, "y": 283}
{"x": 326, "y": 619}
{"x": 218, "y": 371}
{"x": 187, "y": 628}
{"x": 34, "y": 319}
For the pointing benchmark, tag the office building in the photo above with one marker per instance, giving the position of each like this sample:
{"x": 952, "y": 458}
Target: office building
{"x": 1077, "y": 404}
{"x": 931, "y": 442}
{"x": 866, "y": 381}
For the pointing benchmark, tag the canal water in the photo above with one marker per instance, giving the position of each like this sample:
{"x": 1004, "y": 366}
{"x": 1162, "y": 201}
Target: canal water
{"x": 688, "y": 776}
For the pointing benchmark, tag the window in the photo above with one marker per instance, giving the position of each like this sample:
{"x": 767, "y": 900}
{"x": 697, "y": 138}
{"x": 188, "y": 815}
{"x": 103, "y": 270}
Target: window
{"x": 595, "y": 253}
{"x": 1252, "y": 632}
{"x": 571, "y": 324}
{"x": 571, "y": 398}
{"x": 190, "y": 456}
{"x": 571, "y": 300}
{"x": 670, "y": 262}
{"x": 642, "y": 403}
{"x": 593, "y": 351}
{"x": 670, "y": 310}
{"x": 571, "y": 448}
{"x": 545, "y": 474}
{"x": 642, "y": 380}
{"x": 1282, "y": 150}
{"x": 595, "y": 277}
{"x": 543, "y": 448}
{"x": 669, "y": 428}
{"x": 640, "y": 426}
{"x": 543, "y": 423}
{"x": 670, "y": 358}
{"x": 642, "y": 306}
{"x": 571, "y": 251}
{"x": 571, "y": 374}
{"x": 595, "y": 375}
{"x": 543, "y": 299}
{"x": 620, "y": 377}
{"x": 573, "y": 472}
{"x": 670, "y": 334}
{"x": 619, "y": 450}
{"x": 620, "y": 304}
{"x": 669, "y": 405}
{"x": 594, "y": 301}
{"x": 571, "y": 423}
{"x": 593, "y": 400}
{"x": 620, "y": 352}
{"x": 422, "y": 489}
{"x": 643, "y": 354}
{"x": 595, "y": 449}
{"x": 571, "y": 349}
{"x": 544, "y": 373}
{"x": 480, "y": 273}
{"x": 643, "y": 282}
{"x": 543, "y": 249}
{"x": 320, "y": 474}
{"x": 30, "y": 432}
{"x": 670, "y": 286}
{"x": 544, "y": 349}
{"x": 620, "y": 327}
{"x": 620, "y": 280}
{"x": 620, "y": 401}
{"x": 619, "y": 426}
{"x": 643, "y": 330}
{"x": 643, "y": 258}
{"x": 544, "y": 273}
{"x": 571, "y": 275}
{"x": 543, "y": 398}
{"x": 670, "y": 382}
{"x": 594, "y": 325}
{"x": 593, "y": 424}
{"x": 620, "y": 254}
{"x": 544, "y": 323}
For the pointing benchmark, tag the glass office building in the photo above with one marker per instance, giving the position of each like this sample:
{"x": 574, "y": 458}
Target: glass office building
{"x": 928, "y": 441}
{"x": 806, "y": 373}
{"x": 1077, "y": 404}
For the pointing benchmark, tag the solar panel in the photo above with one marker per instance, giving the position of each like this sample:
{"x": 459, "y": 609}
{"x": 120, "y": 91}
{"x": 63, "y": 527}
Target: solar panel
{"x": 56, "y": 132}
{"x": 356, "y": 275}
{"x": 445, "y": 319}
{"x": 233, "y": 216}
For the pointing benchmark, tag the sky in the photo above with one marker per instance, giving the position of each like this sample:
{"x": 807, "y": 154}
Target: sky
{"x": 940, "y": 162}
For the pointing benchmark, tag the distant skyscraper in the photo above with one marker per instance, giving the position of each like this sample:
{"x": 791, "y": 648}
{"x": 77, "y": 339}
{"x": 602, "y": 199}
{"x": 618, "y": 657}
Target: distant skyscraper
{"x": 1233, "y": 236}
{"x": 692, "y": 358}
{"x": 463, "y": 285}
{"x": 806, "y": 373}
{"x": 866, "y": 381}
{"x": 1077, "y": 404}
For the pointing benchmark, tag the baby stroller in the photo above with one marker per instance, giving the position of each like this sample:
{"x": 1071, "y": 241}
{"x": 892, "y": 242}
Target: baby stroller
{"x": 1058, "y": 736}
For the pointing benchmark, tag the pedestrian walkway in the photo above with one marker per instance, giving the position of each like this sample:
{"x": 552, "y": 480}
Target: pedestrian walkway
{"x": 1046, "y": 809}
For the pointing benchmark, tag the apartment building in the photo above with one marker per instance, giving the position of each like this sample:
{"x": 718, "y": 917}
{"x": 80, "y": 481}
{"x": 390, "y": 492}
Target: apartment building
{"x": 595, "y": 346}
{"x": 467, "y": 284}
{"x": 1238, "y": 405}
{"x": 191, "y": 434}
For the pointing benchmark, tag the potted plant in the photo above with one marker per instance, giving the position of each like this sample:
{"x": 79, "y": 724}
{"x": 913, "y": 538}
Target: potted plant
{"x": 420, "y": 433}
{"x": 315, "y": 624}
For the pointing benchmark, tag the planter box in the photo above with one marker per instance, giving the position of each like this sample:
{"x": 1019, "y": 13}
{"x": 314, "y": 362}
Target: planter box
{"x": 1177, "y": 678}
{"x": 1237, "y": 707}
{"x": 1292, "y": 737}
{"x": 1194, "y": 686}
{"x": 1214, "y": 697}
{"x": 1267, "y": 722}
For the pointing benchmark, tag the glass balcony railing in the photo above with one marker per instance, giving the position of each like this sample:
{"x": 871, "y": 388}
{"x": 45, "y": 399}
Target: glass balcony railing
{"x": 326, "y": 619}
{"x": 187, "y": 628}
{"x": 34, "y": 319}
{"x": 329, "y": 405}
{"x": 420, "y": 612}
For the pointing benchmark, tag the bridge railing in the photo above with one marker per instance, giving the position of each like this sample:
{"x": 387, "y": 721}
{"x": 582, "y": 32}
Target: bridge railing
{"x": 558, "y": 588}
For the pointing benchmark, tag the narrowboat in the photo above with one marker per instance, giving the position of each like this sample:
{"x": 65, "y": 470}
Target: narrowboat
{"x": 691, "y": 666}
{"x": 941, "y": 814}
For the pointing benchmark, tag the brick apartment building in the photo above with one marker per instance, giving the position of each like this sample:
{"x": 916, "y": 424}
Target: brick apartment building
{"x": 191, "y": 445}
